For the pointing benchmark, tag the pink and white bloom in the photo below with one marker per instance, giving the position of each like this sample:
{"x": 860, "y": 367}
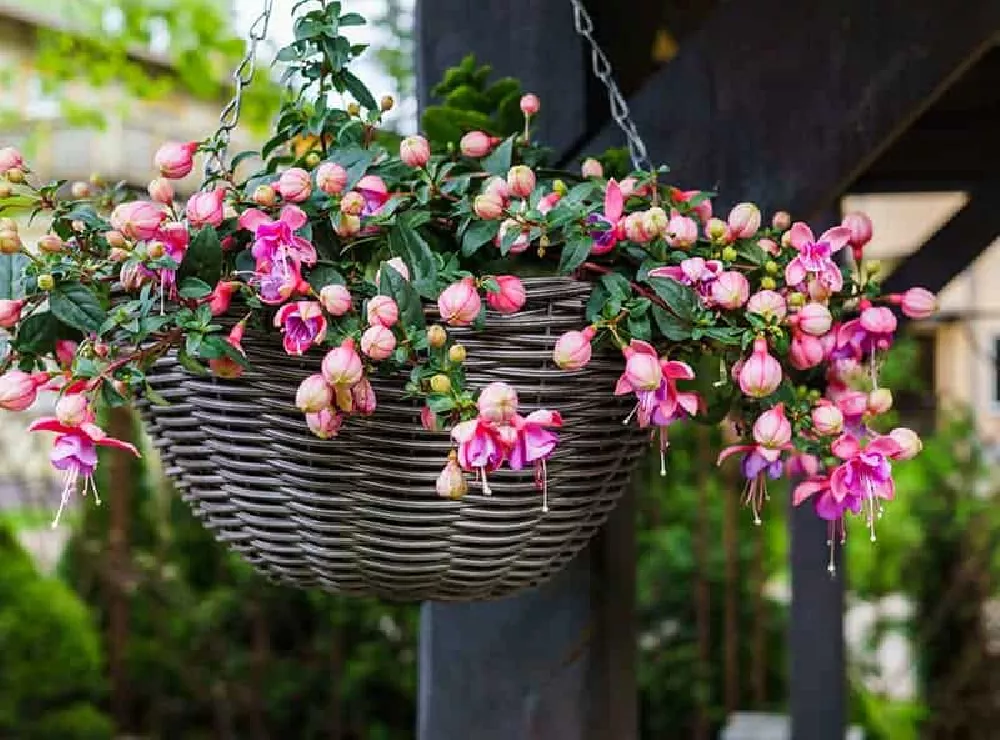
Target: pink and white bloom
{"x": 161, "y": 191}
{"x": 827, "y": 419}
{"x": 497, "y": 403}
{"x": 520, "y": 243}
{"x": 18, "y": 390}
{"x": 324, "y": 423}
{"x": 695, "y": 272}
{"x": 606, "y": 238}
{"x": 865, "y": 476}
{"x": 204, "y": 208}
{"x": 772, "y": 434}
{"x": 302, "y": 324}
{"x": 480, "y": 448}
{"x": 459, "y": 304}
{"x": 805, "y": 351}
{"x": 222, "y": 296}
{"x": 73, "y": 409}
{"x": 331, "y": 178}
{"x": 521, "y": 180}
{"x": 908, "y": 441}
{"x": 814, "y": 319}
{"x": 138, "y": 219}
{"x": 488, "y": 207}
{"x": 294, "y": 185}
{"x": 815, "y": 257}
{"x": 730, "y": 290}
{"x": 336, "y": 299}
{"x": 509, "y": 298}
{"x": 916, "y": 303}
{"x": 415, "y": 151}
{"x": 744, "y": 220}
{"x": 375, "y": 193}
{"x": 382, "y": 311}
{"x": 378, "y": 342}
{"x": 573, "y": 350}
{"x": 681, "y": 232}
{"x": 363, "y": 396}
{"x": 313, "y": 394}
{"x": 870, "y": 333}
{"x": 591, "y": 168}
{"x": 530, "y": 104}
{"x": 477, "y": 144}
{"x": 10, "y": 158}
{"x": 272, "y": 238}
{"x": 533, "y": 444}
{"x": 175, "y": 159}
{"x": 761, "y": 374}
{"x": 769, "y": 304}
{"x": 10, "y": 312}
{"x": 342, "y": 365}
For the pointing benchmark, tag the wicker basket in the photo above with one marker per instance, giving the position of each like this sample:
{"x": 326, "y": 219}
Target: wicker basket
{"x": 359, "y": 514}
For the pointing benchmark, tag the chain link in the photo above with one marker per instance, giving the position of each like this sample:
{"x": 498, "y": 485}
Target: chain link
{"x": 230, "y": 117}
{"x": 602, "y": 70}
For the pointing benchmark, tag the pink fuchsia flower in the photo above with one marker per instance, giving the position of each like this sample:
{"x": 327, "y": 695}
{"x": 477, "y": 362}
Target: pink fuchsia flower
{"x": 342, "y": 365}
{"x": 488, "y": 207}
{"x": 916, "y": 303}
{"x": 591, "y": 168}
{"x": 509, "y": 298}
{"x": 497, "y": 187}
{"x": 174, "y": 159}
{"x": 805, "y": 351}
{"x": 681, "y": 232}
{"x": 313, "y": 394}
{"x": 363, "y": 397}
{"x": 573, "y": 350}
{"x": 730, "y": 290}
{"x": 375, "y": 193}
{"x": 74, "y": 452}
{"x": 497, "y": 403}
{"x": 294, "y": 185}
{"x": 814, "y": 319}
{"x": 815, "y": 258}
{"x": 827, "y": 419}
{"x": 138, "y": 219}
{"x": 73, "y": 409}
{"x": 352, "y": 204}
{"x": 451, "y": 482}
{"x": 606, "y": 238}
{"x": 530, "y": 104}
{"x": 547, "y": 202}
{"x": 415, "y": 151}
{"x": 397, "y": 264}
{"x": 853, "y": 405}
{"x": 865, "y": 474}
{"x": 205, "y": 208}
{"x": 222, "y": 296}
{"x": 521, "y": 180}
{"x": 761, "y": 374}
{"x": 769, "y": 304}
{"x": 227, "y": 367}
{"x": 10, "y": 158}
{"x": 303, "y": 325}
{"x": 908, "y": 441}
{"x": 871, "y": 332}
{"x": 459, "y": 304}
{"x": 331, "y": 178}
{"x": 633, "y": 227}
{"x": 10, "y": 312}
{"x": 772, "y": 435}
{"x": 695, "y": 272}
{"x": 642, "y": 369}
{"x": 273, "y": 238}
{"x": 704, "y": 208}
{"x": 533, "y": 444}
{"x": 382, "y": 311}
{"x": 860, "y": 227}
{"x": 744, "y": 220}
{"x": 18, "y": 390}
{"x": 378, "y": 342}
{"x": 336, "y": 299}
{"x": 802, "y": 464}
{"x": 476, "y": 144}
{"x": 161, "y": 191}
{"x": 479, "y": 448}
{"x": 324, "y": 423}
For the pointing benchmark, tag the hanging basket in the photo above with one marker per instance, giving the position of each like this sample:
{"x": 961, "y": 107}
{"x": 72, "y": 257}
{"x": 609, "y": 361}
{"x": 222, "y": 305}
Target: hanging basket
{"x": 359, "y": 513}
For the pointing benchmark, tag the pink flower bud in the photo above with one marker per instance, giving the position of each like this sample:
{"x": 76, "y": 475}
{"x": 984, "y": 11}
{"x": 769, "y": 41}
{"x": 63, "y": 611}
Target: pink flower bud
{"x": 520, "y": 180}
{"x": 878, "y": 320}
{"x": 744, "y": 220}
{"x": 497, "y": 403}
{"x": 331, "y": 178}
{"x": 222, "y": 296}
{"x": 682, "y": 232}
{"x": 761, "y": 373}
{"x": 628, "y": 187}
{"x": 655, "y": 222}
{"x": 805, "y": 351}
{"x": 572, "y": 350}
{"x": 382, "y": 311}
{"x": 138, "y": 219}
{"x": 363, "y": 396}
{"x": 879, "y": 401}
{"x": 772, "y": 428}
{"x": 347, "y": 226}
{"x": 918, "y": 303}
{"x": 782, "y": 220}
{"x": 852, "y": 403}
{"x": 476, "y": 144}
{"x": 767, "y": 303}
{"x": 530, "y": 104}
{"x": 643, "y": 371}
{"x": 860, "y": 227}
{"x": 352, "y": 204}
{"x": 827, "y": 419}
{"x": 161, "y": 191}
{"x": 908, "y": 441}
{"x": 730, "y": 290}
{"x": 342, "y": 365}
{"x": 635, "y": 231}
{"x": 336, "y": 299}
{"x": 770, "y": 246}
{"x": 378, "y": 342}
{"x": 175, "y": 160}
{"x": 814, "y": 319}
{"x": 10, "y": 313}
{"x": 717, "y": 231}
{"x": 459, "y": 303}
{"x": 414, "y": 151}
{"x": 324, "y": 423}
{"x": 488, "y": 206}
{"x": 451, "y": 482}
{"x": 591, "y": 168}
{"x": 73, "y": 409}
{"x": 205, "y": 208}
{"x": 295, "y": 185}
{"x": 65, "y": 351}
{"x": 497, "y": 186}
{"x": 509, "y": 298}
{"x": 18, "y": 390}
{"x": 397, "y": 264}
{"x": 50, "y": 244}
{"x": 10, "y": 158}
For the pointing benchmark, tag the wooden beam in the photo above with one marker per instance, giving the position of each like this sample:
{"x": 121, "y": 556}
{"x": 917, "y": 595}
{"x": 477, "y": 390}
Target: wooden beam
{"x": 787, "y": 103}
{"x": 954, "y": 246}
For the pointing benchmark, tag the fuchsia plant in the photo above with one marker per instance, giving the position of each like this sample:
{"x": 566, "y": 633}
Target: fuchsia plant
{"x": 344, "y": 245}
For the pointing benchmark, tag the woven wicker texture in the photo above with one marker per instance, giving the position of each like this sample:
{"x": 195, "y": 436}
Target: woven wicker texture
{"x": 359, "y": 514}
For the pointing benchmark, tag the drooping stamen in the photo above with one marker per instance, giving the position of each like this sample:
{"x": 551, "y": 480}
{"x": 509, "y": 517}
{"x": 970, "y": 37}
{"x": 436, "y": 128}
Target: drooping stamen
{"x": 630, "y": 415}
{"x": 487, "y": 491}
{"x": 663, "y": 448}
{"x": 69, "y": 485}
{"x": 754, "y": 496}
{"x": 545, "y": 488}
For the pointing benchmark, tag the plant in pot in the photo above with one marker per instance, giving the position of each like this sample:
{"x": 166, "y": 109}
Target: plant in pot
{"x": 424, "y": 367}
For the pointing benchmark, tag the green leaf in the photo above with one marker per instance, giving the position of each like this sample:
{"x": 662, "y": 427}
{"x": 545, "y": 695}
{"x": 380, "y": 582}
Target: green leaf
{"x": 11, "y": 276}
{"x": 215, "y": 347}
{"x": 498, "y": 162}
{"x": 355, "y": 159}
{"x": 189, "y": 363}
{"x": 618, "y": 286}
{"x": 574, "y": 253}
{"x": 595, "y": 305}
{"x": 679, "y": 298}
{"x": 150, "y": 394}
{"x": 358, "y": 90}
{"x": 407, "y": 243}
{"x": 203, "y": 258}
{"x": 192, "y": 287}
{"x": 440, "y": 404}
{"x": 725, "y": 335}
{"x": 638, "y": 327}
{"x": 670, "y": 326}
{"x": 324, "y": 274}
{"x": 76, "y": 306}
{"x": 38, "y": 333}
{"x": 394, "y": 285}
{"x": 352, "y": 19}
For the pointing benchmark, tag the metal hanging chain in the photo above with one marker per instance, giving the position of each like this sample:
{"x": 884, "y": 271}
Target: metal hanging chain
{"x": 242, "y": 76}
{"x": 602, "y": 70}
